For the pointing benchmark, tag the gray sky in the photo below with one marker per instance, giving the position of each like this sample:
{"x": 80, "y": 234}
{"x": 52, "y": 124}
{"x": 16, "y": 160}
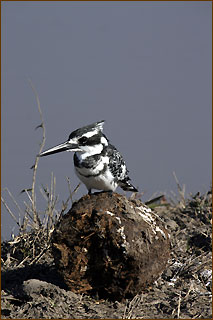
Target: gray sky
{"x": 144, "y": 67}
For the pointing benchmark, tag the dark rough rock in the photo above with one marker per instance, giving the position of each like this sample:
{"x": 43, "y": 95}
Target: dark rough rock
{"x": 110, "y": 246}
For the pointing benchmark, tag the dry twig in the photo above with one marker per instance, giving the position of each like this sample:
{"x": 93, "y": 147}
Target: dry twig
{"x": 35, "y": 214}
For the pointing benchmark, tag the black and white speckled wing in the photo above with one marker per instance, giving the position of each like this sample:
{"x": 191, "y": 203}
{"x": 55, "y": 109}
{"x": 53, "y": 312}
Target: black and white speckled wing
{"x": 118, "y": 168}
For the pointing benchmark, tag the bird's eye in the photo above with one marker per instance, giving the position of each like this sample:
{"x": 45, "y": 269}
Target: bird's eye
{"x": 83, "y": 140}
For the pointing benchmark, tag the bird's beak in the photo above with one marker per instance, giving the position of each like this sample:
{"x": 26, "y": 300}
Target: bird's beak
{"x": 66, "y": 146}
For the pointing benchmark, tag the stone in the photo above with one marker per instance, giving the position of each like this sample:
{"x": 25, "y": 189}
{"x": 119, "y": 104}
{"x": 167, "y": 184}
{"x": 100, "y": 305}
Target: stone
{"x": 110, "y": 246}
{"x": 34, "y": 287}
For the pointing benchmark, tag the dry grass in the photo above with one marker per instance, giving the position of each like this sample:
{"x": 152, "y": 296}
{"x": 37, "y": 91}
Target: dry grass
{"x": 35, "y": 226}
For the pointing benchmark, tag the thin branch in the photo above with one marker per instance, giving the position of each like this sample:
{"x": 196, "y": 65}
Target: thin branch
{"x": 178, "y": 309}
{"x": 35, "y": 214}
{"x": 14, "y": 201}
{"x": 181, "y": 190}
{"x": 69, "y": 187}
{"x": 10, "y": 212}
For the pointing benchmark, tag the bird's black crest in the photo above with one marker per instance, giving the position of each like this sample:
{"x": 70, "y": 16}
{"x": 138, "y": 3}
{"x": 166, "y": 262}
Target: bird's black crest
{"x": 79, "y": 132}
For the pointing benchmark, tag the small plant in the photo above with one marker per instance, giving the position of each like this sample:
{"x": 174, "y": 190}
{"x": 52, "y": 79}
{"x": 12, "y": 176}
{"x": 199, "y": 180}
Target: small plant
{"x": 35, "y": 227}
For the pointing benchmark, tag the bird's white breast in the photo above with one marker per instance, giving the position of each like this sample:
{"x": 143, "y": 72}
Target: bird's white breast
{"x": 103, "y": 181}
{"x": 98, "y": 177}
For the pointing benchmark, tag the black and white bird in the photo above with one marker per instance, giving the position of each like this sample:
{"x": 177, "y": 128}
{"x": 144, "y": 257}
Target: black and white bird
{"x": 98, "y": 164}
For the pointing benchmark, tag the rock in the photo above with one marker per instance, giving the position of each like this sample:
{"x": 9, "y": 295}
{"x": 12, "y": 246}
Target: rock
{"x": 34, "y": 286}
{"x": 110, "y": 246}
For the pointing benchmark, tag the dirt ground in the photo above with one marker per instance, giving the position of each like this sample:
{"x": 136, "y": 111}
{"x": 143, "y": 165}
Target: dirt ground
{"x": 32, "y": 288}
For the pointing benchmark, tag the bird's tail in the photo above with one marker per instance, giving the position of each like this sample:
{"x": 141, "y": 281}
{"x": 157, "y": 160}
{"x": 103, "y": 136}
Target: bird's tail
{"x": 127, "y": 186}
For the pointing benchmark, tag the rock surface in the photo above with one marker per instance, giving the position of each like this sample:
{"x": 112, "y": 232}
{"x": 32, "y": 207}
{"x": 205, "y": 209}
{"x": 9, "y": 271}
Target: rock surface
{"x": 110, "y": 246}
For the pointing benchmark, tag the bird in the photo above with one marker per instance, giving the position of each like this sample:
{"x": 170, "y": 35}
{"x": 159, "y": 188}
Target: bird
{"x": 98, "y": 164}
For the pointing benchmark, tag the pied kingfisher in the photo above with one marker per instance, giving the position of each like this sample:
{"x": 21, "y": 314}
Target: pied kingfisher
{"x": 98, "y": 164}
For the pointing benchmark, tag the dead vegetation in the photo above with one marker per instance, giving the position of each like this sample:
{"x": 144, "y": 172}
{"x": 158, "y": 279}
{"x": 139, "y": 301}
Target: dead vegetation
{"x": 182, "y": 291}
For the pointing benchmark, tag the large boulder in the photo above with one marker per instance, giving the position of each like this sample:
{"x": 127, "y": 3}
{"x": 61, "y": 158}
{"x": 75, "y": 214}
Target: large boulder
{"x": 110, "y": 246}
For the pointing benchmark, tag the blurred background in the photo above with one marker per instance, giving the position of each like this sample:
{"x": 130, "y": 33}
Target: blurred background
{"x": 144, "y": 67}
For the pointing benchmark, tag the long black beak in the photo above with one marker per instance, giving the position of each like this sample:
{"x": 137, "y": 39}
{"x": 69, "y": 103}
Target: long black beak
{"x": 66, "y": 146}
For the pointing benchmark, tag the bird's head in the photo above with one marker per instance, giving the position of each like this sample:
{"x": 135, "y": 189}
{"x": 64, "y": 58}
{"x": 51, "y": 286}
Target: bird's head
{"x": 89, "y": 139}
